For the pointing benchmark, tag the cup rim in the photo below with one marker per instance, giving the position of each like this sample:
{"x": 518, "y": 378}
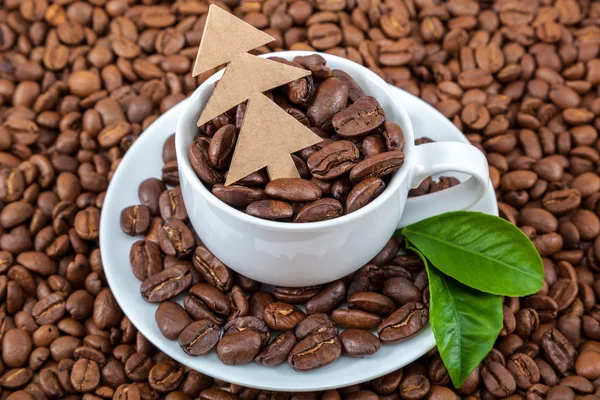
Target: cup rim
{"x": 390, "y": 190}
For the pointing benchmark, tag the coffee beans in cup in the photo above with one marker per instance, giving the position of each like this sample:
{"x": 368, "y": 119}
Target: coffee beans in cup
{"x": 353, "y": 164}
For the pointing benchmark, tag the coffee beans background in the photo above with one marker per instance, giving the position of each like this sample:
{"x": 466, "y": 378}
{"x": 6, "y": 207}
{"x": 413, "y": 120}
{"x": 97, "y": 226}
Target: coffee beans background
{"x": 79, "y": 81}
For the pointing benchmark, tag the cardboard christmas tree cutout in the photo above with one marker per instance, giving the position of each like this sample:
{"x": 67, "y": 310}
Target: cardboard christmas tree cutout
{"x": 268, "y": 134}
{"x": 244, "y": 76}
{"x": 224, "y": 39}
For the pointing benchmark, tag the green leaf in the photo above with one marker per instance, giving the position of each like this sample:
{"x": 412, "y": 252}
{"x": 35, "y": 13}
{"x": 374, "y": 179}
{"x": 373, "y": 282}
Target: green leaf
{"x": 481, "y": 251}
{"x": 465, "y": 322}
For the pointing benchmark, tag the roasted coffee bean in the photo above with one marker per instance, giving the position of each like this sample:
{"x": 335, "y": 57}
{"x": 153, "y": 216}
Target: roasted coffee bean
{"x": 363, "y": 193}
{"x": 330, "y": 98}
{"x": 414, "y": 387}
{"x": 377, "y": 166}
{"x": 403, "y": 323}
{"x": 355, "y": 319}
{"x": 175, "y": 238}
{"x": 216, "y": 300}
{"x": 293, "y": 189}
{"x": 295, "y": 295}
{"x": 85, "y": 375}
{"x": 401, "y": 291}
{"x": 361, "y": 118}
{"x": 270, "y": 209}
{"x": 372, "y": 302}
{"x": 240, "y": 347}
{"x": 354, "y": 90}
{"x": 165, "y": 376}
{"x": 166, "y": 284}
{"x": 315, "y": 351}
{"x": 327, "y": 299}
{"x": 222, "y": 145}
{"x": 171, "y": 204}
{"x": 333, "y": 160}
{"x": 135, "y": 220}
{"x": 138, "y": 366}
{"x": 558, "y": 351}
{"x": 238, "y": 196}
{"x": 171, "y": 319}
{"x": 16, "y": 348}
{"x": 145, "y": 259}
{"x": 149, "y": 193}
{"x": 319, "y": 210}
{"x": 315, "y": 323}
{"x": 277, "y": 351}
{"x": 359, "y": 343}
{"x": 282, "y": 316}
{"x": 199, "y": 337}
{"x": 213, "y": 271}
{"x": 524, "y": 370}
{"x": 199, "y": 160}
{"x": 248, "y": 322}
{"x": 498, "y": 380}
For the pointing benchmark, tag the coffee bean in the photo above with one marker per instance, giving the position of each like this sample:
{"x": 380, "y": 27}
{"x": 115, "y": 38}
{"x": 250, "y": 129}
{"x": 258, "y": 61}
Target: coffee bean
{"x": 403, "y": 323}
{"x": 85, "y": 375}
{"x": 330, "y": 98}
{"x": 212, "y": 269}
{"x": 524, "y": 370}
{"x": 295, "y": 295}
{"x": 359, "y": 343}
{"x": 277, "y": 351}
{"x": 135, "y": 220}
{"x": 149, "y": 192}
{"x": 558, "y": 351}
{"x": 319, "y": 210}
{"x": 314, "y": 323}
{"x": 357, "y": 319}
{"x": 212, "y": 297}
{"x": 293, "y": 189}
{"x": 138, "y": 366}
{"x": 171, "y": 204}
{"x": 363, "y": 193}
{"x": 145, "y": 259}
{"x": 414, "y": 387}
{"x": 165, "y": 376}
{"x": 372, "y": 302}
{"x": 171, "y": 319}
{"x": 16, "y": 348}
{"x": 315, "y": 351}
{"x": 239, "y": 348}
{"x": 270, "y": 209}
{"x": 401, "y": 291}
{"x": 198, "y": 155}
{"x": 282, "y": 317}
{"x": 166, "y": 284}
{"x": 238, "y": 196}
{"x": 333, "y": 160}
{"x": 248, "y": 322}
{"x": 222, "y": 145}
{"x": 175, "y": 238}
{"x": 199, "y": 337}
{"x": 361, "y": 118}
{"x": 498, "y": 380}
{"x": 377, "y": 166}
{"x": 327, "y": 299}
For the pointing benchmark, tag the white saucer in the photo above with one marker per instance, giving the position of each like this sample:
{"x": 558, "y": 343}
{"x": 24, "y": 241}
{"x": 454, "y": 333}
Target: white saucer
{"x": 144, "y": 160}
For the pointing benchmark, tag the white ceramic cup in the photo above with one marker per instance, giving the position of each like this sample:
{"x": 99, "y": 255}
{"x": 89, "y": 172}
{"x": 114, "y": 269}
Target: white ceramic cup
{"x": 293, "y": 255}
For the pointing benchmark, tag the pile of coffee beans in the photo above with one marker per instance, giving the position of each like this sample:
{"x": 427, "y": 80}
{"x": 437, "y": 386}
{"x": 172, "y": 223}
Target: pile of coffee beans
{"x": 80, "y": 80}
{"x": 343, "y": 173}
{"x": 204, "y": 305}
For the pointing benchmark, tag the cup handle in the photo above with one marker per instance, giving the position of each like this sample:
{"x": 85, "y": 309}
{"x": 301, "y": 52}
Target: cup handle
{"x": 438, "y": 157}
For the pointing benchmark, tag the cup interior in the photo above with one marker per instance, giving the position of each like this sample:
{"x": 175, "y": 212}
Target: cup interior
{"x": 371, "y": 83}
